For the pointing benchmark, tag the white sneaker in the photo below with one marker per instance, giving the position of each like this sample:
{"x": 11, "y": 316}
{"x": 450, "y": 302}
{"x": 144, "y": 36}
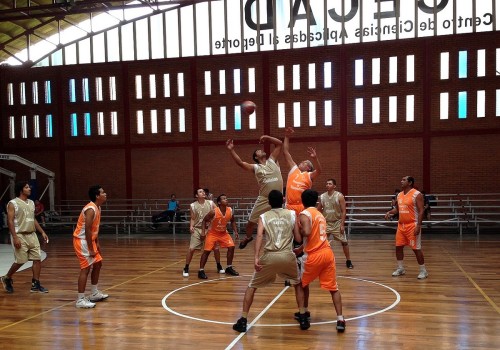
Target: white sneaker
{"x": 185, "y": 273}
{"x": 84, "y": 303}
{"x": 422, "y": 275}
{"x": 98, "y": 296}
{"x": 399, "y": 272}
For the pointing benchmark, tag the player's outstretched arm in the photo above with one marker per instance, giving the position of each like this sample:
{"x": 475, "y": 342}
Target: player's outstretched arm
{"x": 236, "y": 157}
{"x": 286, "y": 147}
{"x": 315, "y": 161}
{"x": 277, "y": 145}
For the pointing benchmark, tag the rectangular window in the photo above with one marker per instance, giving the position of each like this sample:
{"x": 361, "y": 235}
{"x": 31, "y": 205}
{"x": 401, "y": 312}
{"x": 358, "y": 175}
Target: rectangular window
{"x": 208, "y": 118}
{"x": 296, "y": 76}
{"x": 22, "y": 93}
{"x": 168, "y": 121}
{"x": 24, "y": 127}
{"x": 393, "y": 69}
{"x": 222, "y": 82}
{"x": 208, "y": 83}
{"x": 445, "y": 65}
{"x": 223, "y": 118}
{"x": 375, "y": 71}
{"x": 296, "y": 114}
{"x": 252, "y": 120}
{"x": 410, "y": 108}
{"x": 140, "y": 122}
{"x": 87, "y": 129}
{"x": 251, "y": 79}
{"x": 154, "y": 121}
{"x": 393, "y": 109}
{"x": 48, "y": 125}
{"x": 152, "y": 86}
{"x": 12, "y": 129}
{"x": 100, "y": 124}
{"x": 48, "y": 92}
{"x": 359, "y": 110}
{"x": 312, "y": 76}
{"x": 327, "y": 75}
{"x": 85, "y": 88}
{"x": 462, "y": 64}
{"x": 237, "y": 117}
{"x": 36, "y": 126}
{"x": 281, "y": 115}
{"x": 112, "y": 88}
{"x": 281, "y": 78}
{"x": 114, "y": 123}
{"x": 462, "y": 105}
{"x": 10, "y": 94}
{"x": 34, "y": 86}
{"x": 328, "y": 113}
{"x": 74, "y": 124}
{"x": 138, "y": 87}
{"x": 376, "y": 110}
{"x": 443, "y": 105}
{"x": 410, "y": 68}
{"x": 72, "y": 90}
{"x": 182, "y": 120}
{"x": 180, "y": 84}
{"x": 237, "y": 81}
{"x": 358, "y": 72}
{"x": 166, "y": 85}
{"x": 312, "y": 113}
{"x": 498, "y": 63}
{"x": 98, "y": 89}
{"x": 498, "y": 103}
{"x": 481, "y": 63}
{"x": 481, "y": 104}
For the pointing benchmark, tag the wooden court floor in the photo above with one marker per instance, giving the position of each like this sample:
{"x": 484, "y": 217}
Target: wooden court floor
{"x": 151, "y": 306}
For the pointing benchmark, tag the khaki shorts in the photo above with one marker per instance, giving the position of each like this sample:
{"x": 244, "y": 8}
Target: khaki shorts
{"x": 261, "y": 206}
{"x": 30, "y": 248}
{"x": 196, "y": 242}
{"x": 333, "y": 228}
{"x": 282, "y": 264}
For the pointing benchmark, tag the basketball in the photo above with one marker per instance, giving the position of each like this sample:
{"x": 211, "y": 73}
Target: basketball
{"x": 248, "y": 107}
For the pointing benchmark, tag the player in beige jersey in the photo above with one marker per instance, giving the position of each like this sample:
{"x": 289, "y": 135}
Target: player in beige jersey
{"x": 280, "y": 227}
{"x": 268, "y": 175}
{"x": 22, "y": 227}
{"x": 332, "y": 205}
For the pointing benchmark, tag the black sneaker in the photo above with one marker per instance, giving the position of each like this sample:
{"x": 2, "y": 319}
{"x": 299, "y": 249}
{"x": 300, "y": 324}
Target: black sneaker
{"x": 287, "y": 283}
{"x": 349, "y": 264}
{"x": 7, "y": 284}
{"x": 36, "y": 287}
{"x": 244, "y": 243}
{"x": 297, "y": 315}
{"x": 304, "y": 321}
{"x": 220, "y": 269}
{"x": 341, "y": 326}
{"x": 202, "y": 275}
{"x": 231, "y": 271}
{"x": 240, "y": 325}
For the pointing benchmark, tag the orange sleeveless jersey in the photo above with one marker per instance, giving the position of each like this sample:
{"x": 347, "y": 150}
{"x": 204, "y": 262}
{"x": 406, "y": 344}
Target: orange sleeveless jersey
{"x": 219, "y": 222}
{"x": 407, "y": 206}
{"x": 317, "y": 239}
{"x": 297, "y": 183}
{"x": 80, "y": 226}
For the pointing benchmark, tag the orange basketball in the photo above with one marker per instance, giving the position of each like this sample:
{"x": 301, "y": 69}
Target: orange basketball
{"x": 248, "y": 107}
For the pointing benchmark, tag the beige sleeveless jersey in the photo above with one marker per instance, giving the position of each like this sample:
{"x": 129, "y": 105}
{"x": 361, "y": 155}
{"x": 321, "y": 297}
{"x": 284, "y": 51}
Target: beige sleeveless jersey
{"x": 199, "y": 212}
{"x": 331, "y": 206}
{"x": 24, "y": 216}
{"x": 268, "y": 177}
{"x": 279, "y": 224}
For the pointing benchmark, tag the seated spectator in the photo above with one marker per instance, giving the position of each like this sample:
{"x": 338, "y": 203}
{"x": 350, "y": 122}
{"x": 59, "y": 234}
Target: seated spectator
{"x": 40, "y": 212}
{"x": 429, "y": 201}
{"x": 173, "y": 210}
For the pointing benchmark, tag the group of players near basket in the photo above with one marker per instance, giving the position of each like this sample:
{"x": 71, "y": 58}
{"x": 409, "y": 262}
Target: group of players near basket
{"x": 296, "y": 246}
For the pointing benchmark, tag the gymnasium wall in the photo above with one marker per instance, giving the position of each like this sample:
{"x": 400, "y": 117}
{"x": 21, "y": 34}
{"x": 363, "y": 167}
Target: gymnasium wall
{"x": 140, "y": 154}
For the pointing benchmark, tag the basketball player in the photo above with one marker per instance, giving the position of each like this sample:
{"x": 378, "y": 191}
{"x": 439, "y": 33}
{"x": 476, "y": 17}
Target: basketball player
{"x": 332, "y": 206}
{"x": 268, "y": 175}
{"x": 218, "y": 235}
{"x": 281, "y": 228}
{"x": 22, "y": 228}
{"x": 198, "y": 210}
{"x": 410, "y": 207}
{"x": 87, "y": 248}
{"x": 318, "y": 260}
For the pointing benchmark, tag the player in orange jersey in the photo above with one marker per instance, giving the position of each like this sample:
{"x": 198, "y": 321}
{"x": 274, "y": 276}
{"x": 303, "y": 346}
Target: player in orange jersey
{"x": 410, "y": 207}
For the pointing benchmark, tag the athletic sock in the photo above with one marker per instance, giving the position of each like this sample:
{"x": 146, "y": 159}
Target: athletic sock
{"x": 244, "y": 314}
{"x": 400, "y": 264}
{"x": 81, "y": 296}
{"x": 302, "y": 310}
{"x": 340, "y": 318}
{"x": 93, "y": 288}
{"x": 422, "y": 267}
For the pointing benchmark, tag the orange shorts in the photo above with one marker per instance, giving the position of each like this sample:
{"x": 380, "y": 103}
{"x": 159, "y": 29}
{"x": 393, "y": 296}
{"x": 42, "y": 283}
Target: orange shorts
{"x": 82, "y": 253}
{"x": 405, "y": 235}
{"x": 212, "y": 238}
{"x": 320, "y": 264}
{"x": 297, "y": 208}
